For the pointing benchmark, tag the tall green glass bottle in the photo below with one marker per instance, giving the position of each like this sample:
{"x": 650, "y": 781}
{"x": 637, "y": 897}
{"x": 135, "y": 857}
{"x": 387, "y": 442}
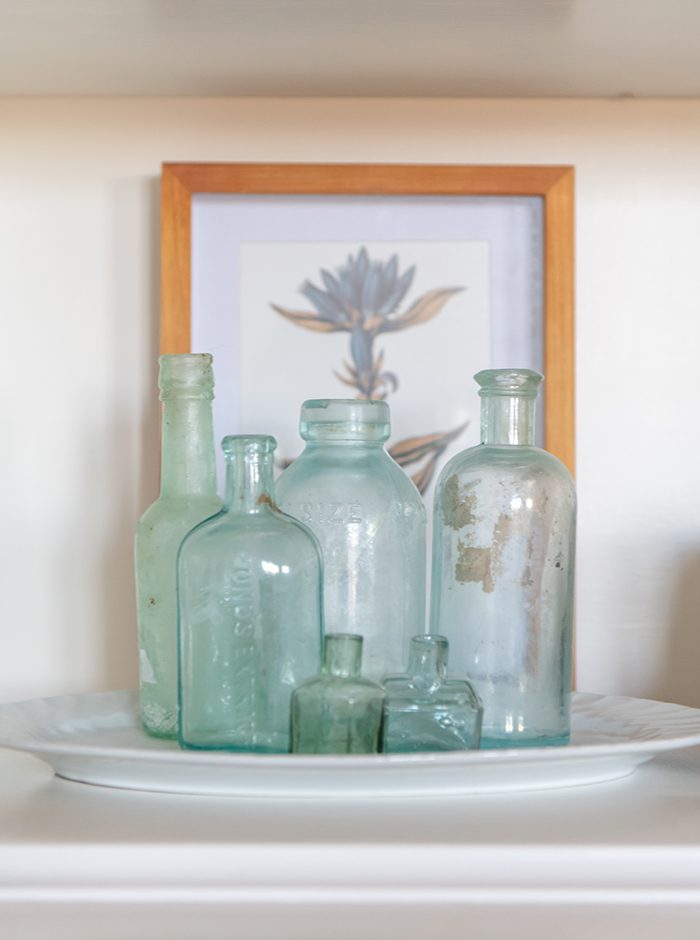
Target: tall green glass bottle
{"x": 503, "y": 568}
{"x": 249, "y": 597}
{"x": 187, "y": 496}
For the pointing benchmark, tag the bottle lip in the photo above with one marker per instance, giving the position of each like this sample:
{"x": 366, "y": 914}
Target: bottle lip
{"x": 355, "y": 638}
{"x": 345, "y": 419}
{"x": 428, "y": 655}
{"x": 186, "y": 375}
{"x": 430, "y": 640}
{"x": 520, "y": 383}
{"x": 236, "y": 445}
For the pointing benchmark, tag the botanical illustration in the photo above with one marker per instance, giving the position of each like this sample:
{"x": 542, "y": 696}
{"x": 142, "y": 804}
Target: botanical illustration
{"x": 366, "y": 298}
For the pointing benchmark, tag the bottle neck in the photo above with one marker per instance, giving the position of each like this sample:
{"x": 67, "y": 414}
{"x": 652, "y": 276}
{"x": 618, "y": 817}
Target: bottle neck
{"x": 317, "y": 443}
{"x": 249, "y": 481}
{"x": 342, "y": 655}
{"x": 507, "y": 419}
{"x": 188, "y": 456}
{"x": 427, "y": 659}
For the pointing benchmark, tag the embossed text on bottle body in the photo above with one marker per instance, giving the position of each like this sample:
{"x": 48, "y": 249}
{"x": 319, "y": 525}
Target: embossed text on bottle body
{"x": 330, "y": 513}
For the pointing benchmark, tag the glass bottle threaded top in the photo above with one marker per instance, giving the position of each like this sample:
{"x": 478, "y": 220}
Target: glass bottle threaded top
{"x": 345, "y": 419}
{"x": 186, "y": 376}
{"x": 249, "y": 471}
{"x": 508, "y": 405}
{"x": 186, "y": 384}
{"x": 342, "y": 655}
{"x": 427, "y": 656}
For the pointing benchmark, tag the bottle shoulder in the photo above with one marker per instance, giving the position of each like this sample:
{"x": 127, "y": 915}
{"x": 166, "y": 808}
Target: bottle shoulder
{"x": 338, "y": 468}
{"x": 271, "y": 531}
{"x": 177, "y": 512}
{"x": 402, "y": 686}
{"x": 455, "y": 691}
{"x": 344, "y": 686}
{"x": 515, "y": 460}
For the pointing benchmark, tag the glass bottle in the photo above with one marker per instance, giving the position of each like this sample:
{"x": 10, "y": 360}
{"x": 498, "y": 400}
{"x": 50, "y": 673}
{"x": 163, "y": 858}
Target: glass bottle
{"x": 503, "y": 568}
{"x": 187, "y": 496}
{"x": 370, "y": 521}
{"x": 249, "y": 594}
{"x": 426, "y": 711}
{"x": 337, "y": 712}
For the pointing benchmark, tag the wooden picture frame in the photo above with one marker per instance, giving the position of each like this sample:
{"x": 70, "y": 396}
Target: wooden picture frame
{"x": 554, "y": 184}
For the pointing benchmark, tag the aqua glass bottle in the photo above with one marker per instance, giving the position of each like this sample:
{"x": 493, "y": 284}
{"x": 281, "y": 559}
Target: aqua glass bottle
{"x": 249, "y": 594}
{"x": 503, "y": 568}
{"x": 426, "y": 711}
{"x": 337, "y": 712}
{"x": 370, "y": 521}
{"x": 187, "y": 496}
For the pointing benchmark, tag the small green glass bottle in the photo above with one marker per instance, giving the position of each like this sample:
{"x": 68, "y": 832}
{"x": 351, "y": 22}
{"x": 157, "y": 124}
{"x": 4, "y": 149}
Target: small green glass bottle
{"x": 426, "y": 711}
{"x": 249, "y": 601}
{"x": 503, "y": 568}
{"x": 337, "y": 712}
{"x": 187, "y": 496}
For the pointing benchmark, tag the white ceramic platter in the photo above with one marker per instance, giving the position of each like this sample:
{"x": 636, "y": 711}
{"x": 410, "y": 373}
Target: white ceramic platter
{"x": 96, "y": 739}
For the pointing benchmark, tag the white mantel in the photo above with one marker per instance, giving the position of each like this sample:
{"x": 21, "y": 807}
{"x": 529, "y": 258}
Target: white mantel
{"x": 621, "y": 859}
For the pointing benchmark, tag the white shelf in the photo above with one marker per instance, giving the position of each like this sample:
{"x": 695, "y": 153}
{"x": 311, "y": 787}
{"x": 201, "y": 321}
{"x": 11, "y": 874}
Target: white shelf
{"x": 465, "y": 48}
{"x": 79, "y": 861}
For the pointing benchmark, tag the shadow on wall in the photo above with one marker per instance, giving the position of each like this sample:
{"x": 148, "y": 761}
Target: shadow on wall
{"x": 132, "y": 454}
{"x": 680, "y": 675}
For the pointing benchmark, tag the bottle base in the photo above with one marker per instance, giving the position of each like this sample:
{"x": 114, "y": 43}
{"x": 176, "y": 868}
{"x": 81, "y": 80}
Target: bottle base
{"x": 216, "y": 744}
{"x": 491, "y": 744}
{"x": 164, "y": 735}
{"x": 158, "y": 724}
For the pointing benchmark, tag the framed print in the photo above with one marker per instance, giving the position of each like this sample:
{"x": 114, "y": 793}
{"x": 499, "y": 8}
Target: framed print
{"x": 378, "y": 281}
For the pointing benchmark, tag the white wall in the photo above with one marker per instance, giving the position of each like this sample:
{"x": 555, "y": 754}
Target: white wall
{"x": 79, "y": 303}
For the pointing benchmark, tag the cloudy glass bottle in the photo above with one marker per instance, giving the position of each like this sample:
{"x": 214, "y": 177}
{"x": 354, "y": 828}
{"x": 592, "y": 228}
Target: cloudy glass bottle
{"x": 503, "y": 568}
{"x": 426, "y": 711}
{"x": 370, "y": 521}
{"x": 187, "y": 496}
{"x": 249, "y": 594}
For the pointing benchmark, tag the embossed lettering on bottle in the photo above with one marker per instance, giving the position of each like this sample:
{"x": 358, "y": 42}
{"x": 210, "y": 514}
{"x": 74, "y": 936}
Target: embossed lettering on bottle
{"x": 244, "y": 672}
{"x": 330, "y": 513}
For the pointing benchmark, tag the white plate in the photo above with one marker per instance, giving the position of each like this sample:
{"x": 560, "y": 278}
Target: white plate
{"x": 96, "y": 739}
